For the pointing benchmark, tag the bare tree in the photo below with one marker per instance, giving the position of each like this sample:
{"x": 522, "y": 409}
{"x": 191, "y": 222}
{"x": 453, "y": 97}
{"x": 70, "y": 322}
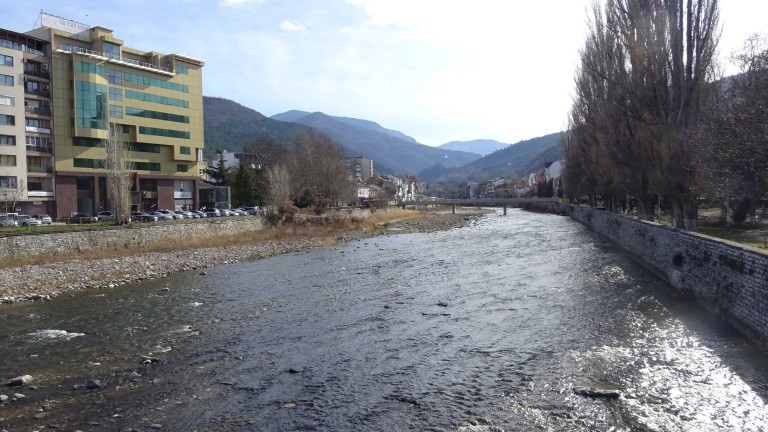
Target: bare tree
{"x": 280, "y": 185}
{"x": 322, "y": 175}
{"x": 13, "y": 195}
{"x": 118, "y": 168}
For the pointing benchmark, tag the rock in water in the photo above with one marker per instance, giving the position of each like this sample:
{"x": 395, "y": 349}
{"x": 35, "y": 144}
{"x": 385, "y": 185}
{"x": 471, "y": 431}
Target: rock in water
{"x": 19, "y": 381}
{"x": 93, "y": 384}
{"x": 597, "y": 392}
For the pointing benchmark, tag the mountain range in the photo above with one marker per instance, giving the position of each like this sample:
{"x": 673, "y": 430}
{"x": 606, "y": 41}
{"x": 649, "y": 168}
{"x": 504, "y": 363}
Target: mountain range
{"x": 483, "y": 147}
{"x": 229, "y": 126}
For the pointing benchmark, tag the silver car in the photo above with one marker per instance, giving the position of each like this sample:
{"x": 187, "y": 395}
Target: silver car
{"x": 8, "y": 221}
{"x": 27, "y": 221}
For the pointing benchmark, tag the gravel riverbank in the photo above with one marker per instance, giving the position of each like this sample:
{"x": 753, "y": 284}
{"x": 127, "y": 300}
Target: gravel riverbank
{"x": 45, "y": 281}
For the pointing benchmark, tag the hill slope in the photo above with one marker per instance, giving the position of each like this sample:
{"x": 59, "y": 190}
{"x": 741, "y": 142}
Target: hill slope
{"x": 230, "y": 126}
{"x": 519, "y": 159}
{"x": 365, "y": 138}
{"x": 482, "y": 147}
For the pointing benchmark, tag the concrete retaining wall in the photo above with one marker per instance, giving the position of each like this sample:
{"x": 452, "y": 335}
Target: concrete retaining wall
{"x": 121, "y": 237}
{"x": 727, "y": 278}
{"x": 138, "y": 234}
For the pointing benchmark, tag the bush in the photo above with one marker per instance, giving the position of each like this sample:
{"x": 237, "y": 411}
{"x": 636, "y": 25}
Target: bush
{"x": 740, "y": 210}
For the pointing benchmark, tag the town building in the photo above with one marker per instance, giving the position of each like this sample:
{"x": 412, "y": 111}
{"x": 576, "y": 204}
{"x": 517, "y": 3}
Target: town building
{"x": 361, "y": 167}
{"x": 76, "y": 82}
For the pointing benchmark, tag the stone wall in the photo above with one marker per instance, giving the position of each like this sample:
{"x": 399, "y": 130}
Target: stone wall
{"x": 106, "y": 238}
{"x": 138, "y": 234}
{"x": 727, "y": 278}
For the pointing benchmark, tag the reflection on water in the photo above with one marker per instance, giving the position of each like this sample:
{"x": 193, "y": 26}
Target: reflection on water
{"x": 489, "y": 325}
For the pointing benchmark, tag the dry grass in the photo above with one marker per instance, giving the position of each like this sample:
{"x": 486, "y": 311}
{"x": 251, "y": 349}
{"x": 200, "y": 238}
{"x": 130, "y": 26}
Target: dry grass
{"x": 323, "y": 229}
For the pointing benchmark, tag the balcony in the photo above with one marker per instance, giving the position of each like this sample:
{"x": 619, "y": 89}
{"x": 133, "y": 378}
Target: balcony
{"x": 37, "y": 129}
{"x": 39, "y": 92}
{"x": 38, "y": 73}
{"x": 38, "y": 111}
{"x": 40, "y": 149}
{"x": 40, "y": 169}
{"x": 32, "y": 194}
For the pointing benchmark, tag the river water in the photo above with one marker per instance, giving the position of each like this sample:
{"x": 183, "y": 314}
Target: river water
{"x": 489, "y": 325}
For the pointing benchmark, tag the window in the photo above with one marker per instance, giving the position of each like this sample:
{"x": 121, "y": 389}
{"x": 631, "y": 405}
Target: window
{"x": 83, "y": 66}
{"x": 83, "y": 183}
{"x": 145, "y": 148}
{"x": 85, "y": 142}
{"x": 154, "y": 82}
{"x": 136, "y": 112}
{"x": 7, "y": 160}
{"x": 185, "y": 150}
{"x": 7, "y": 100}
{"x": 35, "y": 186}
{"x": 182, "y": 168}
{"x": 163, "y": 132}
{"x": 7, "y": 120}
{"x": 147, "y": 166}
{"x": 6, "y": 60}
{"x": 114, "y": 76}
{"x": 8, "y": 140}
{"x": 41, "y": 143}
{"x": 112, "y": 51}
{"x": 115, "y": 94}
{"x": 37, "y": 123}
{"x": 87, "y": 163}
{"x": 6, "y": 80}
{"x": 7, "y": 182}
{"x": 115, "y": 111}
{"x": 147, "y": 97}
{"x": 91, "y": 99}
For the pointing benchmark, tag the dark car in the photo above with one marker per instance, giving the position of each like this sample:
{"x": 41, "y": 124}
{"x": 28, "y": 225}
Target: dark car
{"x": 79, "y": 218}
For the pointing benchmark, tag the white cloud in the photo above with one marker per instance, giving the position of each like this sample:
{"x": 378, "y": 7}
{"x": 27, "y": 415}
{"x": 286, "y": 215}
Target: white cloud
{"x": 292, "y": 26}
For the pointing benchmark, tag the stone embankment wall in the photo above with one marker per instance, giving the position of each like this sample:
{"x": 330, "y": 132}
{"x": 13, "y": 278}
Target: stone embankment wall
{"x": 140, "y": 234}
{"x": 120, "y": 237}
{"x": 725, "y": 277}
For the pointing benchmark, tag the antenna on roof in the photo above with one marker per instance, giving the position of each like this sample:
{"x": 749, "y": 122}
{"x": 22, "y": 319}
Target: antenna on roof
{"x": 39, "y": 16}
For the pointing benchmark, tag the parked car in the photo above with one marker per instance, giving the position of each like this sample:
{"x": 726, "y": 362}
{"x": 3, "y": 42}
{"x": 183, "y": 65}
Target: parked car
{"x": 187, "y": 214}
{"x": 225, "y": 212}
{"x": 43, "y": 218}
{"x": 27, "y": 221}
{"x": 138, "y": 216}
{"x": 198, "y": 213}
{"x": 250, "y": 210}
{"x": 79, "y": 218}
{"x": 8, "y": 221}
{"x": 212, "y": 212}
{"x": 170, "y": 213}
{"x": 161, "y": 216}
{"x": 105, "y": 216}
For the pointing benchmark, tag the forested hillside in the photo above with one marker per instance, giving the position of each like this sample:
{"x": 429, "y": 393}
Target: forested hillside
{"x": 230, "y": 126}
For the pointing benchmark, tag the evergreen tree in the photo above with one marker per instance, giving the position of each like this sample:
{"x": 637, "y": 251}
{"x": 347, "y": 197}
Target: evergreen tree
{"x": 242, "y": 190}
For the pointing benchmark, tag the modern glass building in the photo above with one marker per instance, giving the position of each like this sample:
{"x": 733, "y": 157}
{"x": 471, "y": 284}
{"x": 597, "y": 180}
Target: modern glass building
{"x": 89, "y": 83}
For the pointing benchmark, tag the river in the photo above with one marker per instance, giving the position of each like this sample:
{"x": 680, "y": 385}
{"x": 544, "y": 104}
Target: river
{"x": 485, "y": 328}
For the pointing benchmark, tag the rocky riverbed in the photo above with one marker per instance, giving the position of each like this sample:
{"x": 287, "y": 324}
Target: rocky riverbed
{"x": 45, "y": 281}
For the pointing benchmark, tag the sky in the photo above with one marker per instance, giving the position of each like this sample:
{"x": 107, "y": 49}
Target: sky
{"x": 436, "y": 70}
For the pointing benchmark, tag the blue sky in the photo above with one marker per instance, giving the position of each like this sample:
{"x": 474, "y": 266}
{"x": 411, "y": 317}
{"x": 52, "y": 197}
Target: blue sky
{"x": 438, "y": 70}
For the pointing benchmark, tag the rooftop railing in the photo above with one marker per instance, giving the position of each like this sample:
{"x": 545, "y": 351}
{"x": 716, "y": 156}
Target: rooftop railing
{"x": 110, "y": 57}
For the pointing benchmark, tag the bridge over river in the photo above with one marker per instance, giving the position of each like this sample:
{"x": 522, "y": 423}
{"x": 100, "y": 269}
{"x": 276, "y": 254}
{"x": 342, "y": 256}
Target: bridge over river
{"x": 479, "y": 202}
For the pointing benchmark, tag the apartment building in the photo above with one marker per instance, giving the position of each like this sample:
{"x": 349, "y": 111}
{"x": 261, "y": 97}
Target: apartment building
{"x": 361, "y": 167}
{"x": 91, "y": 85}
{"x": 26, "y": 153}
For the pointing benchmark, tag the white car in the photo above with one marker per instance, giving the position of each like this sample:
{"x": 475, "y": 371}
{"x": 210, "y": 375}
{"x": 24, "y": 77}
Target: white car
{"x": 27, "y": 221}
